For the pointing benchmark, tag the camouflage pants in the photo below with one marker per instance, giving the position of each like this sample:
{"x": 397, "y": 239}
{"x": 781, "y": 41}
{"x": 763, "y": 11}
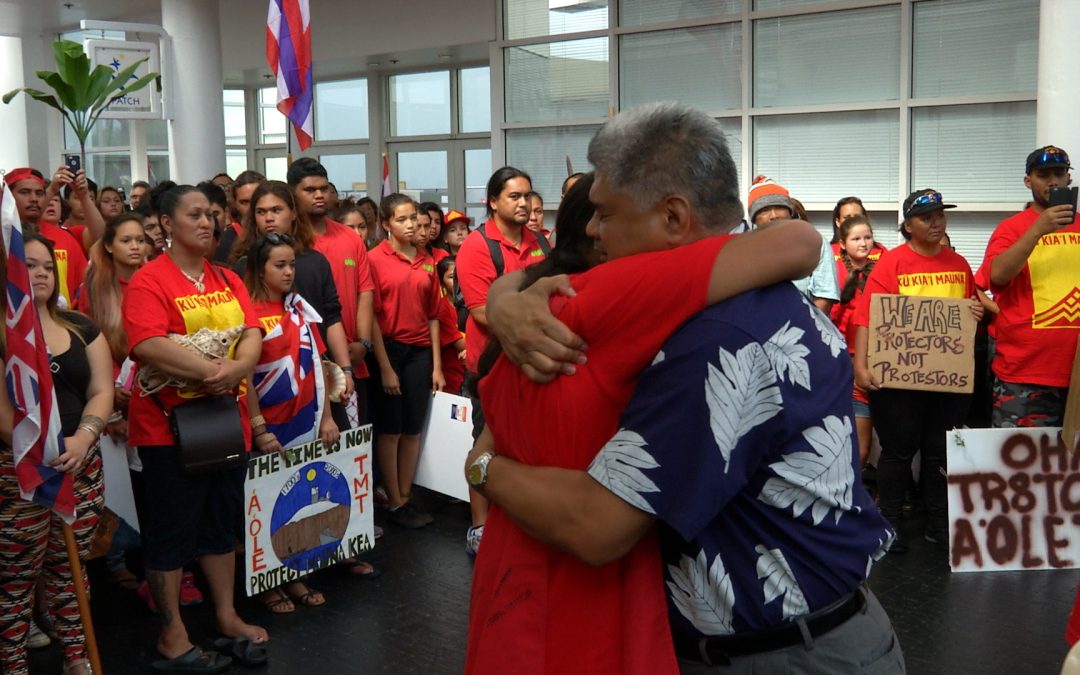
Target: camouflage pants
{"x": 1027, "y": 405}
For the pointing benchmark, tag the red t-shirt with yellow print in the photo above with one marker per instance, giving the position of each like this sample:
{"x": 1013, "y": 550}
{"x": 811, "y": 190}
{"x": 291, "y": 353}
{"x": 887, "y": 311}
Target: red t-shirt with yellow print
{"x": 1037, "y": 328}
{"x": 902, "y": 271}
{"x": 160, "y": 300}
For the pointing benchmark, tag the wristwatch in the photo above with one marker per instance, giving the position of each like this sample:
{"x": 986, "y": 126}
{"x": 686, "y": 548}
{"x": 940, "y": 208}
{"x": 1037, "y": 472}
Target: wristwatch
{"x": 368, "y": 347}
{"x": 477, "y": 474}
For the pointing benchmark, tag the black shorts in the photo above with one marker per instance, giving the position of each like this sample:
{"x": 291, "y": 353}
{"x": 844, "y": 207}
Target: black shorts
{"x": 407, "y": 413}
{"x": 185, "y": 516}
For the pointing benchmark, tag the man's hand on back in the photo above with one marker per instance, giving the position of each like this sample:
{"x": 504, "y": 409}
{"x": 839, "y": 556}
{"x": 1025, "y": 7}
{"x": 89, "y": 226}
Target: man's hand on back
{"x": 541, "y": 345}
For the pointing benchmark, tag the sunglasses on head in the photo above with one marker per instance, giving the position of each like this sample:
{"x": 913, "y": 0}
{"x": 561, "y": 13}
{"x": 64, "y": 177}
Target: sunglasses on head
{"x": 928, "y": 198}
{"x": 275, "y": 239}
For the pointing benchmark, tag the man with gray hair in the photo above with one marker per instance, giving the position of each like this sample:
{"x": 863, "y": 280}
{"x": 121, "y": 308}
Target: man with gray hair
{"x": 737, "y": 442}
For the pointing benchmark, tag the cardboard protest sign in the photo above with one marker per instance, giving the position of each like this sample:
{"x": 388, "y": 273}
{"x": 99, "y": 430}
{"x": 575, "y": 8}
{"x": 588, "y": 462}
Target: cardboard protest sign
{"x": 1071, "y": 424}
{"x": 1014, "y": 500}
{"x": 446, "y": 441}
{"x": 922, "y": 343}
{"x": 307, "y": 508}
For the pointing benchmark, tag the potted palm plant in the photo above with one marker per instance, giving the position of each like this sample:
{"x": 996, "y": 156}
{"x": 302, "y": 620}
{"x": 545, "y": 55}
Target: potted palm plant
{"x": 79, "y": 93}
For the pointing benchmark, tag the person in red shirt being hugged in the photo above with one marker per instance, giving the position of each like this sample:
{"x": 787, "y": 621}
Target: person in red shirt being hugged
{"x": 1032, "y": 261}
{"x": 408, "y": 352}
{"x": 909, "y": 420}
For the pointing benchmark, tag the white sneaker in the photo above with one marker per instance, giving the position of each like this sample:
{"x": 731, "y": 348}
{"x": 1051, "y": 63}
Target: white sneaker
{"x": 37, "y": 638}
{"x": 472, "y": 539}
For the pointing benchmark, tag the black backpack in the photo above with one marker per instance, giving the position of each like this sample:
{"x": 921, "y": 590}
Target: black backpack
{"x": 500, "y": 266}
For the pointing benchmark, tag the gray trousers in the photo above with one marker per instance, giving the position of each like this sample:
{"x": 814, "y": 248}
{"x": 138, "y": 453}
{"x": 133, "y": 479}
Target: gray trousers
{"x": 866, "y": 644}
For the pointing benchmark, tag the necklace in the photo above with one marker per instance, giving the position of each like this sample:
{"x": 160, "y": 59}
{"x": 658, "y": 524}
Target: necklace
{"x": 199, "y": 286}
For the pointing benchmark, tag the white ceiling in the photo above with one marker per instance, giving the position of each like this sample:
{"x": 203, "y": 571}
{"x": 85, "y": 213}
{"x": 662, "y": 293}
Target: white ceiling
{"x": 25, "y": 18}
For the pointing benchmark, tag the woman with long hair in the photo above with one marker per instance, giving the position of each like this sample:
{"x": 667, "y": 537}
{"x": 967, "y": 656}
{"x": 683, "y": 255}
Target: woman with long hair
{"x": 273, "y": 210}
{"x": 408, "y": 352}
{"x": 854, "y": 266}
{"x": 113, "y": 260}
{"x": 282, "y": 417}
{"x": 188, "y": 517}
{"x": 31, "y": 535}
{"x": 453, "y": 338}
{"x": 908, "y": 420}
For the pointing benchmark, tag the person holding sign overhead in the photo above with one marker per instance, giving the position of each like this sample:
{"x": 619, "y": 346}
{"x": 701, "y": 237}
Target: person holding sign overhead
{"x": 909, "y": 420}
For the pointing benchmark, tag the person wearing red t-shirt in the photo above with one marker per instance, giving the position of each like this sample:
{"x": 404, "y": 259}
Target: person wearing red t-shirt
{"x": 28, "y": 187}
{"x": 854, "y": 266}
{"x": 908, "y": 421}
{"x": 844, "y": 209}
{"x": 350, "y": 268}
{"x": 536, "y": 215}
{"x": 453, "y": 339}
{"x": 186, "y": 516}
{"x": 409, "y": 354}
{"x": 1031, "y": 262}
{"x": 519, "y": 247}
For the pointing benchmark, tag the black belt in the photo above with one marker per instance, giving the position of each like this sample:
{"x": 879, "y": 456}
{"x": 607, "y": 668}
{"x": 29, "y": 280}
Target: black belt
{"x": 719, "y": 650}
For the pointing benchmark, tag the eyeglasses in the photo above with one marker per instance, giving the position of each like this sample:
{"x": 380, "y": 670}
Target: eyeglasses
{"x": 928, "y": 198}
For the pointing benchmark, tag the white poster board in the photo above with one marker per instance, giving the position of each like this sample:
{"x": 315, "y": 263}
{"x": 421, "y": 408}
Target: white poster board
{"x": 446, "y": 441}
{"x": 144, "y": 104}
{"x": 1014, "y": 500}
{"x": 307, "y": 508}
{"x": 119, "y": 497}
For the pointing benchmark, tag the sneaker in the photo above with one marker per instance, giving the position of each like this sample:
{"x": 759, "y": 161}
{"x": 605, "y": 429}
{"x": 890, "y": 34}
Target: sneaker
{"x": 410, "y": 517}
{"x": 381, "y": 499}
{"x": 899, "y": 544}
{"x": 472, "y": 539}
{"x": 937, "y": 535}
{"x": 189, "y": 592}
{"x": 37, "y": 638}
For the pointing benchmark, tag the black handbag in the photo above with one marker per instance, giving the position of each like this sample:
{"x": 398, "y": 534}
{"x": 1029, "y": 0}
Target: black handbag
{"x": 208, "y": 430}
{"x": 209, "y": 435}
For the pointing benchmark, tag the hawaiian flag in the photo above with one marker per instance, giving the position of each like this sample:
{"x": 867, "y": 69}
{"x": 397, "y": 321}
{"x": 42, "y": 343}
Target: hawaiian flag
{"x": 289, "y": 378}
{"x": 288, "y": 51}
{"x": 36, "y": 437}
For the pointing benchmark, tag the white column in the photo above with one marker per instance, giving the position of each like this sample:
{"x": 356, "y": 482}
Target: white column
{"x": 1059, "y": 75}
{"x": 197, "y": 133}
{"x": 14, "y": 150}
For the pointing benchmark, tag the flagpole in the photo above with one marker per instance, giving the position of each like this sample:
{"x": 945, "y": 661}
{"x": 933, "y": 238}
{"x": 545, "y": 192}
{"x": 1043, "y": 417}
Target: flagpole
{"x": 288, "y": 143}
{"x": 83, "y": 599}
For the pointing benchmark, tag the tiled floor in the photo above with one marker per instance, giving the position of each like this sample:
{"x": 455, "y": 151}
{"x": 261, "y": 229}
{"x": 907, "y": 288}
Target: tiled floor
{"x": 413, "y": 618}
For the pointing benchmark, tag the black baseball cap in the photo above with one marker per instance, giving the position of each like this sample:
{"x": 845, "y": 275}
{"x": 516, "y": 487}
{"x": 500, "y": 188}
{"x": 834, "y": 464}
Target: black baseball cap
{"x": 924, "y": 201}
{"x": 1047, "y": 156}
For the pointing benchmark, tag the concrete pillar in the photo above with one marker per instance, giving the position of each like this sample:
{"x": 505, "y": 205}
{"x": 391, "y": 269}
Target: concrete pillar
{"x": 197, "y": 132}
{"x": 14, "y": 150}
{"x": 1059, "y": 78}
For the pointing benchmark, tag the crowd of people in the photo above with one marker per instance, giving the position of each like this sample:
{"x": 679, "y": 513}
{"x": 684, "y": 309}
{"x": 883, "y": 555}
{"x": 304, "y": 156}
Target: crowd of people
{"x": 603, "y": 483}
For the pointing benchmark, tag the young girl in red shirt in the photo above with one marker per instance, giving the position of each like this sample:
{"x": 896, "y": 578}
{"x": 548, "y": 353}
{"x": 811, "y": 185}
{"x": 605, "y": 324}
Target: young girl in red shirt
{"x": 407, "y": 349}
{"x": 852, "y": 268}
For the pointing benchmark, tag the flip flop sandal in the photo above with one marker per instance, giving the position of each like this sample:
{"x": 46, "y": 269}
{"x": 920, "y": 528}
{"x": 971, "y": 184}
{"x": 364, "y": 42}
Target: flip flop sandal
{"x": 309, "y": 598}
{"x": 194, "y": 660}
{"x": 365, "y": 570}
{"x": 246, "y": 652}
{"x": 278, "y": 603}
